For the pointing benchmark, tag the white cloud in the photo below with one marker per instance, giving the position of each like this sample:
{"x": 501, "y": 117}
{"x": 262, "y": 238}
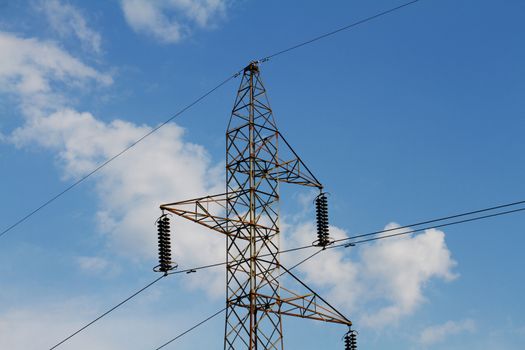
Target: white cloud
{"x": 67, "y": 21}
{"x": 388, "y": 277}
{"x": 434, "y": 334}
{"x": 96, "y": 265}
{"x": 171, "y": 20}
{"x": 92, "y": 263}
{"x": 138, "y": 325}
{"x": 399, "y": 268}
{"x": 161, "y": 169}
{"x": 28, "y": 67}
{"x": 330, "y": 271}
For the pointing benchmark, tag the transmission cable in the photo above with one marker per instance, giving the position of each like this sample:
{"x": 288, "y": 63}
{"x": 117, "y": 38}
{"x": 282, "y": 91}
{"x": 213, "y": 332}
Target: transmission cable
{"x": 192, "y": 328}
{"x": 443, "y": 219}
{"x": 209, "y": 92}
{"x": 107, "y": 312}
{"x": 195, "y": 269}
{"x": 425, "y": 228}
{"x": 344, "y": 245}
{"x": 457, "y": 222}
{"x": 223, "y": 309}
{"x": 117, "y": 155}
{"x": 346, "y": 27}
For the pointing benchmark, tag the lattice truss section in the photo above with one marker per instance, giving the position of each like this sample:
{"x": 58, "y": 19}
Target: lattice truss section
{"x": 258, "y": 159}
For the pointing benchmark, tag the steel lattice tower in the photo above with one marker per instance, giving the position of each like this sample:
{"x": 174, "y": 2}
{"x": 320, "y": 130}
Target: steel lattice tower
{"x": 258, "y": 158}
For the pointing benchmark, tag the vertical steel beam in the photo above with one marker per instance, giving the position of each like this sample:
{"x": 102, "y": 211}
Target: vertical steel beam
{"x": 255, "y": 300}
{"x": 253, "y": 318}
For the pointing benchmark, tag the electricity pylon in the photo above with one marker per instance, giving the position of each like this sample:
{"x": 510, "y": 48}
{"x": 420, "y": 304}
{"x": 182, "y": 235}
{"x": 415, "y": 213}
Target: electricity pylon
{"x": 258, "y": 158}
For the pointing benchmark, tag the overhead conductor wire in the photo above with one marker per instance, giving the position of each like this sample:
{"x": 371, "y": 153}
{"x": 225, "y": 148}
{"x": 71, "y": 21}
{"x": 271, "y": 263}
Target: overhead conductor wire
{"x": 266, "y": 58}
{"x": 346, "y": 27}
{"x": 354, "y": 243}
{"x": 445, "y": 218}
{"x": 117, "y": 155}
{"x": 191, "y": 328}
{"x": 365, "y": 240}
{"x": 106, "y": 313}
{"x": 223, "y": 309}
{"x": 202, "y": 97}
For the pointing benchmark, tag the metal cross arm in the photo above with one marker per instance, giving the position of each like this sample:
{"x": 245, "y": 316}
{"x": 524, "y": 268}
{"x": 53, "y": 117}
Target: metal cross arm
{"x": 304, "y": 305}
{"x": 210, "y": 211}
{"x": 293, "y": 169}
{"x": 258, "y": 159}
{"x": 263, "y": 162}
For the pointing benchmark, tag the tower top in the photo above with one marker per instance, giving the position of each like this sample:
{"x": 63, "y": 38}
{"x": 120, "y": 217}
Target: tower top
{"x": 253, "y": 67}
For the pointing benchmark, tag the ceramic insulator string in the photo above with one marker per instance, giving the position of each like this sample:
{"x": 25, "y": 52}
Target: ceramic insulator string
{"x": 321, "y": 208}
{"x": 350, "y": 340}
{"x": 163, "y": 230}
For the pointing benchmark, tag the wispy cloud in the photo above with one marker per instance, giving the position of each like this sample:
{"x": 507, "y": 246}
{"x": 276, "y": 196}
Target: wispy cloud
{"x": 167, "y": 167}
{"x": 69, "y": 21}
{"x": 29, "y": 66}
{"x": 163, "y": 168}
{"x": 438, "y": 333}
{"x": 169, "y": 21}
{"x": 97, "y": 265}
{"x": 41, "y": 325}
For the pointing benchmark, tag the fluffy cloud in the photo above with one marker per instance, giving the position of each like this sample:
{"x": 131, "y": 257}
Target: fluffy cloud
{"x": 435, "y": 334}
{"x": 171, "y": 20}
{"x": 161, "y": 169}
{"x": 68, "y": 21}
{"x": 388, "y": 276}
{"x": 399, "y": 268}
{"x": 28, "y": 67}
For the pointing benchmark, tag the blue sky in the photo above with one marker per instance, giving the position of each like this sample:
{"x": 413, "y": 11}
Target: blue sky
{"x": 416, "y": 115}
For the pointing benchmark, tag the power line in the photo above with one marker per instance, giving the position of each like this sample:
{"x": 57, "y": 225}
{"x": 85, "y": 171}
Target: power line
{"x": 439, "y": 219}
{"x": 457, "y": 222}
{"x": 192, "y": 328}
{"x": 222, "y": 310}
{"x": 133, "y": 144}
{"x": 151, "y": 284}
{"x": 428, "y": 228}
{"x": 194, "y": 269}
{"x": 266, "y": 58}
{"x": 354, "y": 243}
{"x": 346, "y": 27}
{"x": 107, "y": 312}
{"x": 182, "y": 111}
